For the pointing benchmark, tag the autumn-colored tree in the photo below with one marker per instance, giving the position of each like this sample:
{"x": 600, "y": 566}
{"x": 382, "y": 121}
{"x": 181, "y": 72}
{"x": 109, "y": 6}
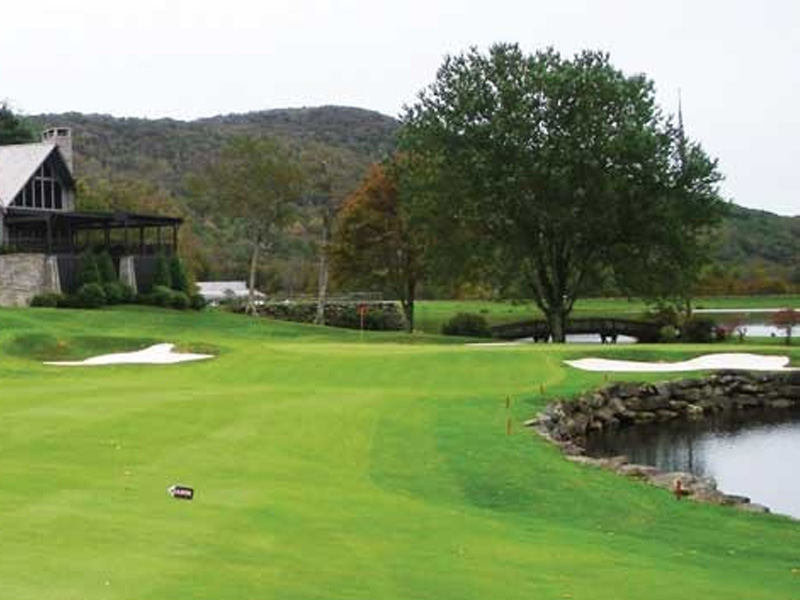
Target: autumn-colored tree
{"x": 374, "y": 245}
{"x": 786, "y": 320}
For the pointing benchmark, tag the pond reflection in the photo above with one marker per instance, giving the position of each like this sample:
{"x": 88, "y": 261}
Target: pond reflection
{"x": 753, "y": 454}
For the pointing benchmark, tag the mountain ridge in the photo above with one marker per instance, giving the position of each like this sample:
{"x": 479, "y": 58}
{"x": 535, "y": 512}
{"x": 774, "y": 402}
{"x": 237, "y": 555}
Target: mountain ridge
{"x": 164, "y": 150}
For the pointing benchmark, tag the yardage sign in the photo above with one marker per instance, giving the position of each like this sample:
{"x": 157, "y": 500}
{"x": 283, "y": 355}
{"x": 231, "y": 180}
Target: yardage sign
{"x": 181, "y": 492}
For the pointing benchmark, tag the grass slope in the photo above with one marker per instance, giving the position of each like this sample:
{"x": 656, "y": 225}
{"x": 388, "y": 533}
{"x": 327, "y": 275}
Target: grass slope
{"x": 330, "y": 468}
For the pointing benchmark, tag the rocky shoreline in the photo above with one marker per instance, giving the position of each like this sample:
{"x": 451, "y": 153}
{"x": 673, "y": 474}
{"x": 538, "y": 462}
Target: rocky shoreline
{"x": 567, "y": 422}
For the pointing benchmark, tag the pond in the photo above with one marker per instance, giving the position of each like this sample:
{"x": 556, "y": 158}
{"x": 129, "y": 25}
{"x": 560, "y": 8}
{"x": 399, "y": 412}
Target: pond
{"x": 763, "y": 330}
{"x": 751, "y": 454}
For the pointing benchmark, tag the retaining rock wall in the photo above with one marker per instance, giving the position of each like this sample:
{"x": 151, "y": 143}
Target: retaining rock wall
{"x": 23, "y": 276}
{"x": 567, "y": 422}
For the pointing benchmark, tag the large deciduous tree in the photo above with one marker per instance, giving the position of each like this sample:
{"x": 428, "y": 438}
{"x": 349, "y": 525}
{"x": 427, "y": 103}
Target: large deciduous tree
{"x": 256, "y": 183}
{"x": 565, "y": 167}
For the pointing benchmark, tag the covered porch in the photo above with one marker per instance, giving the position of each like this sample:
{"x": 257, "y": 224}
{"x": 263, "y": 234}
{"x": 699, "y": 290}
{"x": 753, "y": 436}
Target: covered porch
{"x": 70, "y": 233}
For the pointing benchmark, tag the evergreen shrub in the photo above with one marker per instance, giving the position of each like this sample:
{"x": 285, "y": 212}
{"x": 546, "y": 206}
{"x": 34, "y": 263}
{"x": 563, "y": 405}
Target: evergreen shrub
{"x": 467, "y": 324}
{"x": 90, "y": 295}
{"x": 105, "y": 266}
{"x": 114, "y": 292}
{"x": 179, "y": 300}
{"x": 178, "y": 279}
{"x": 197, "y": 302}
{"x": 668, "y": 333}
{"x": 51, "y": 300}
{"x": 128, "y": 295}
{"x": 161, "y": 296}
{"x": 89, "y": 272}
{"x": 699, "y": 330}
{"x": 162, "y": 277}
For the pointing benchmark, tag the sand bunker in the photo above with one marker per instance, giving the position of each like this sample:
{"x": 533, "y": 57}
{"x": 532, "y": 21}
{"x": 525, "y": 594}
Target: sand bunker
{"x": 709, "y": 362}
{"x": 159, "y": 354}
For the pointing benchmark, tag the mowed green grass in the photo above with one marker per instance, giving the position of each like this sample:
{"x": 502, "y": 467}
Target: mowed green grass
{"x": 328, "y": 467}
{"x": 431, "y": 314}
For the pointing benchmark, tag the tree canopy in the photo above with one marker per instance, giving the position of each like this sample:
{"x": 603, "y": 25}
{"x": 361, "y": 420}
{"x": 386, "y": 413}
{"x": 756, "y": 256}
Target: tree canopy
{"x": 564, "y": 167}
{"x": 13, "y": 128}
{"x": 256, "y": 183}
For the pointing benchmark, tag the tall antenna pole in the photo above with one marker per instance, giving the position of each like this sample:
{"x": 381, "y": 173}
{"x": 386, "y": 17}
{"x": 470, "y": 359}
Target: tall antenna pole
{"x": 681, "y": 132}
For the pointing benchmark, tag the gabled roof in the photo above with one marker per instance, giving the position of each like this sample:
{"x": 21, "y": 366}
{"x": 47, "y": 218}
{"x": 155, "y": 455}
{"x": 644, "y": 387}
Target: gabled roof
{"x": 19, "y": 162}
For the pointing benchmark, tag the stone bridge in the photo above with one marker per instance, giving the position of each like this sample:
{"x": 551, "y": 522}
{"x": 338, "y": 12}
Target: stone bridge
{"x": 607, "y": 329}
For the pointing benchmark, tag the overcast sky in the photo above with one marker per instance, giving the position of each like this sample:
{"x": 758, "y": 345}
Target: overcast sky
{"x": 736, "y": 62}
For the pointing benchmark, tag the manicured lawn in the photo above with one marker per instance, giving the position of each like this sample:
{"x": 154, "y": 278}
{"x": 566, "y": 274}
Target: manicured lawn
{"x": 431, "y": 314}
{"x": 330, "y": 468}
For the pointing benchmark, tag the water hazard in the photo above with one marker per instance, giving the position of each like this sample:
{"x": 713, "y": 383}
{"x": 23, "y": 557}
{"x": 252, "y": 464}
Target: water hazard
{"x": 749, "y": 454}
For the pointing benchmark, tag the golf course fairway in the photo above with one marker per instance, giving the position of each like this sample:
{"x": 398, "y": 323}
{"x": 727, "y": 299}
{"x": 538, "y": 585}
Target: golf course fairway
{"x": 327, "y": 466}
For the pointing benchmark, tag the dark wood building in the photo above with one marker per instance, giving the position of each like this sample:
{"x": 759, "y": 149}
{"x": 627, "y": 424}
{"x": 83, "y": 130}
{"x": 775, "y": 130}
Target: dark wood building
{"x": 42, "y": 235}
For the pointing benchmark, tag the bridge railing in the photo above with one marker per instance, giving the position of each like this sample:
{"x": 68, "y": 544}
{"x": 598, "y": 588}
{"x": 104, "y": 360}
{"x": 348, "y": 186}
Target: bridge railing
{"x": 539, "y": 329}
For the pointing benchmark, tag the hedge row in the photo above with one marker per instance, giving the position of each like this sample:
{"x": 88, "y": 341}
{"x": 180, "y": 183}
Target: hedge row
{"x": 95, "y": 295}
{"x": 378, "y": 316}
{"x": 100, "y": 287}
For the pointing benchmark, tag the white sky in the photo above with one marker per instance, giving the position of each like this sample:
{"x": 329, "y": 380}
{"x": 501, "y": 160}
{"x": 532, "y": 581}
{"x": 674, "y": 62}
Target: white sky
{"x": 735, "y": 61}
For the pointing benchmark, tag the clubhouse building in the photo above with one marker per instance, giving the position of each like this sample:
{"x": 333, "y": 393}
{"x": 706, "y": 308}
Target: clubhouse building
{"x": 42, "y": 235}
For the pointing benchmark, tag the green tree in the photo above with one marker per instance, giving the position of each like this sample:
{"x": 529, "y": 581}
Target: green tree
{"x": 257, "y": 183}
{"x": 331, "y": 175}
{"x": 564, "y": 168}
{"x": 162, "y": 276}
{"x": 178, "y": 277}
{"x": 13, "y": 128}
{"x": 105, "y": 266}
{"x": 89, "y": 271}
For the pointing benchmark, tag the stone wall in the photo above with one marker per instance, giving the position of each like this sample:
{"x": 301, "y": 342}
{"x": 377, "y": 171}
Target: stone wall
{"x": 567, "y": 422}
{"x": 22, "y": 276}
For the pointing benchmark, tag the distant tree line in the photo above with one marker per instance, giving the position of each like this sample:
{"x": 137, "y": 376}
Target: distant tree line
{"x": 349, "y": 162}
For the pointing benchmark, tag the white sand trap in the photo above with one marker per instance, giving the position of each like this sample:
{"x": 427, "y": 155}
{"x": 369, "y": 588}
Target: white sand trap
{"x": 159, "y": 354}
{"x": 709, "y": 362}
{"x": 497, "y": 344}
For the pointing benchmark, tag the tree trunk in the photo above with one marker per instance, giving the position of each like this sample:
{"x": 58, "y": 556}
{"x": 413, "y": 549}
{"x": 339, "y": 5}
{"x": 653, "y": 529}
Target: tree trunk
{"x": 557, "y": 321}
{"x": 322, "y": 284}
{"x": 251, "y": 284}
{"x": 408, "y": 304}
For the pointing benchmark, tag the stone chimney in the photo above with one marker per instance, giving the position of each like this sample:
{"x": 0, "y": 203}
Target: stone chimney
{"x": 61, "y": 137}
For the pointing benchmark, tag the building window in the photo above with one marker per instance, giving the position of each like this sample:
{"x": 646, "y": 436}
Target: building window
{"x": 43, "y": 190}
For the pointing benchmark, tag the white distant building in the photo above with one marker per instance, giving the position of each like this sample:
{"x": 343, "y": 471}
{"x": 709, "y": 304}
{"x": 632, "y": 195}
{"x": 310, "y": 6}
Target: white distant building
{"x": 215, "y": 292}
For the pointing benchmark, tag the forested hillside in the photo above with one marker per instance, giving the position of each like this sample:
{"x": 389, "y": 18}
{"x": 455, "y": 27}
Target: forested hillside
{"x": 756, "y": 252}
{"x": 164, "y": 151}
{"x": 126, "y": 162}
